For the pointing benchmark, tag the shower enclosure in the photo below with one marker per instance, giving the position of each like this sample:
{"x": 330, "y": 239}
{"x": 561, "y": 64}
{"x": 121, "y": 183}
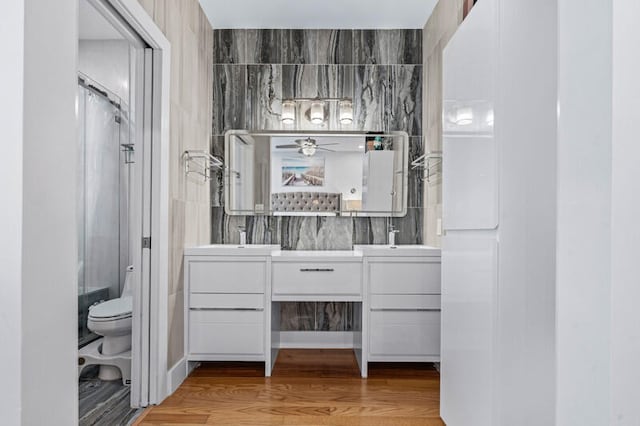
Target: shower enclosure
{"x": 104, "y": 180}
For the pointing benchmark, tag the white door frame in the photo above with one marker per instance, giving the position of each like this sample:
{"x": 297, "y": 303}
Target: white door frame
{"x": 150, "y": 316}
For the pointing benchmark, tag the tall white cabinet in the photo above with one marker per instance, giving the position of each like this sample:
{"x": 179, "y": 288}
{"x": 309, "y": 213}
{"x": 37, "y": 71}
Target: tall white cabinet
{"x": 497, "y": 254}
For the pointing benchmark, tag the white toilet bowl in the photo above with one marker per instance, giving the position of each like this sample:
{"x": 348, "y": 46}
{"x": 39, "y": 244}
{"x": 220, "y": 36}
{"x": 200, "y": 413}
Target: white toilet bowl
{"x": 112, "y": 320}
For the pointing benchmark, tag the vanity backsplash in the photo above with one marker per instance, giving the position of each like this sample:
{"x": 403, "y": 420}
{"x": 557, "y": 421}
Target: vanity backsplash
{"x": 381, "y": 70}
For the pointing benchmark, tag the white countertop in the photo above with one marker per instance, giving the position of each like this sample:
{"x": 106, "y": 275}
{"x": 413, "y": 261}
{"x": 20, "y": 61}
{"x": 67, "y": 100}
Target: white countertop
{"x": 232, "y": 250}
{"x": 385, "y": 250}
{"x": 274, "y": 250}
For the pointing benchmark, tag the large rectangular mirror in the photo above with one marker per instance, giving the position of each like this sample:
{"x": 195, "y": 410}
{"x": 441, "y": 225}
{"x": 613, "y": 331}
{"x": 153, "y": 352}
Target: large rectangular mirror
{"x": 316, "y": 173}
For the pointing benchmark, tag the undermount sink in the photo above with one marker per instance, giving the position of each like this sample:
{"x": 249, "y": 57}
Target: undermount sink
{"x": 398, "y": 250}
{"x": 232, "y": 249}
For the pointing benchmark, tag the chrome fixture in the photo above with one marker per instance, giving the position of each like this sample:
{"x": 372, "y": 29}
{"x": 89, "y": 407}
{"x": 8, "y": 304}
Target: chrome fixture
{"x": 424, "y": 162}
{"x": 316, "y": 113}
{"x": 392, "y": 235}
{"x": 243, "y": 235}
{"x": 200, "y": 163}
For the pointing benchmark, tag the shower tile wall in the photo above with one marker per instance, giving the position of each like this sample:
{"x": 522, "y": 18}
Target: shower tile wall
{"x": 380, "y": 69}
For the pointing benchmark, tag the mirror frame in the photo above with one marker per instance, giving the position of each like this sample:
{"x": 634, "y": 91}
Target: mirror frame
{"x": 319, "y": 133}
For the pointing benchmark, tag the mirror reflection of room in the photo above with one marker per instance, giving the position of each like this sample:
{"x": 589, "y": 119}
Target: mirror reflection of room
{"x": 321, "y": 174}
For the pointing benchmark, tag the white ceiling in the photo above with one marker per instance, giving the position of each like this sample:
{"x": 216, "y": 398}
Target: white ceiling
{"x": 321, "y": 14}
{"x": 93, "y": 26}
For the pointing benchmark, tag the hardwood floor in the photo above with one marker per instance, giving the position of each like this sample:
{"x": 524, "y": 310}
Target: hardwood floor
{"x": 308, "y": 387}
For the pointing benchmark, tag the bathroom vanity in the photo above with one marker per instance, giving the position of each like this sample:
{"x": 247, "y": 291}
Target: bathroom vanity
{"x": 233, "y": 292}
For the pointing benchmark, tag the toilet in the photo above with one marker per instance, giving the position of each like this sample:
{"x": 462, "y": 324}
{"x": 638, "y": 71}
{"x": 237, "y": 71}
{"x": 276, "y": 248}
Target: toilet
{"x": 112, "y": 320}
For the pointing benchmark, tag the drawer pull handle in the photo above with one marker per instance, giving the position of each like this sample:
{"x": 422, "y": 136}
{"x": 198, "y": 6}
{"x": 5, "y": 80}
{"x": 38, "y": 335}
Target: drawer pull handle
{"x": 227, "y": 309}
{"x": 316, "y": 269}
{"x": 405, "y": 309}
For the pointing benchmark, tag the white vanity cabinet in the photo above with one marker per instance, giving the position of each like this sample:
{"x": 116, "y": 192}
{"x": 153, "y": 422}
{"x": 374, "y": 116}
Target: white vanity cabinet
{"x": 227, "y": 303}
{"x": 403, "y": 291}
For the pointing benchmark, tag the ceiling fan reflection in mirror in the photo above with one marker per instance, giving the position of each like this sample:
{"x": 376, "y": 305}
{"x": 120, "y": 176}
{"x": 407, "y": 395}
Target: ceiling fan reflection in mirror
{"x": 307, "y": 146}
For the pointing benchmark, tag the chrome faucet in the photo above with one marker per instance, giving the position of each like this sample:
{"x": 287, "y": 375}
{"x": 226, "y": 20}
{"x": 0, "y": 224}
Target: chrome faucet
{"x": 392, "y": 235}
{"x": 243, "y": 235}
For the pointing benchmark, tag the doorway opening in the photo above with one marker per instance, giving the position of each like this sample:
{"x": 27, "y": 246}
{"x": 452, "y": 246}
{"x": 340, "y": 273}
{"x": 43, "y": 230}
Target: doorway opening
{"x": 122, "y": 112}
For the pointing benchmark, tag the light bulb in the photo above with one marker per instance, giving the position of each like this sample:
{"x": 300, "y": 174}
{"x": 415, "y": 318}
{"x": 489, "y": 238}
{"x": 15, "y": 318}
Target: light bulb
{"x": 489, "y": 119}
{"x": 317, "y": 112}
{"x": 464, "y": 116}
{"x": 309, "y": 150}
{"x": 346, "y": 111}
{"x": 288, "y": 112}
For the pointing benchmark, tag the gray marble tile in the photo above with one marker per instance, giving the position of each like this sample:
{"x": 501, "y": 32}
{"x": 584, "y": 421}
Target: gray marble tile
{"x": 386, "y": 47}
{"x": 415, "y": 184}
{"x": 332, "y": 316}
{"x": 298, "y": 47}
{"x": 369, "y": 47}
{"x": 217, "y": 225}
{"x": 259, "y": 230}
{"x": 405, "y": 46}
{"x": 297, "y": 316}
{"x": 405, "y": 99}
{"x": 264, "y": 95}
{"x": 103, "y": 403}
{"x": 317, "y": 46}
{"x": 409, "y": 227}
{"x": 229, "y": 46}
{"x": 371, "y": 88}
{"x": 229, "y": 98}
{"x": 264, "y": 46}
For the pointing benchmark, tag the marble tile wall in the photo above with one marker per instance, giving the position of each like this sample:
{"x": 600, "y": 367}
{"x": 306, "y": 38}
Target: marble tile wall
{"x": 445, "y": 19}
{"x": 382, "y": 70}
{"x": 188, "y": 30}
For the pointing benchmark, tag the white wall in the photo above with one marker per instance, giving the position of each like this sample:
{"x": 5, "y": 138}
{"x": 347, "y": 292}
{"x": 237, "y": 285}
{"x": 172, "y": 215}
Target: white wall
{"x": 625, "y": 217}
{"x": 584, "y": 216}
{"x": 11, "y": 79}
{"x": 342, "y": 170}
{"x": 49, "y": 293}
{"x": 106, "y": 62}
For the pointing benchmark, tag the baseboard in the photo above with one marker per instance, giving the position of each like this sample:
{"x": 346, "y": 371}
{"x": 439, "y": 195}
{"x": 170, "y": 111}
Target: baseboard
{"x": 316, "y": 339}
{"x": 177, "y": 374}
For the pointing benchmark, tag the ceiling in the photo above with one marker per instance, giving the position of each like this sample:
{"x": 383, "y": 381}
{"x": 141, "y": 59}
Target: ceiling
{"x": 320, "y": 14}
{"x": 93, "y": 26}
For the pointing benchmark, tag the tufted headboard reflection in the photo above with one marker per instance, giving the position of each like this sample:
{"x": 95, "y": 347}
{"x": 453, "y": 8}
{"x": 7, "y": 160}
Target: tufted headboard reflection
{"x": 312, "y": 202}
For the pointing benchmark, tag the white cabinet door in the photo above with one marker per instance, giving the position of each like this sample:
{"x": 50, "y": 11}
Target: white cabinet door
{"x": 469, "y": 285}
{"x": 226, "y": 276}
{"x": 402, "y": 334}
{"x": 325, "y": 281}
{"x": 405, "y": 277}
{"x": 469, "y": 165}
{"x": 226, "y": 332}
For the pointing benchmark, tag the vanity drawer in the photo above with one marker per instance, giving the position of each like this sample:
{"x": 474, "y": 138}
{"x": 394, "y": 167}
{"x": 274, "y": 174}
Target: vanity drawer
{"x": 227, "y": 276}
{"x": 404, "y": 277}
{"x": 404, "y": 333}
{"x": 226, "y": 301}
{"x": 404, "y": 301}
{"x": 226, "y": 332}
{"x": 317, "y": 279}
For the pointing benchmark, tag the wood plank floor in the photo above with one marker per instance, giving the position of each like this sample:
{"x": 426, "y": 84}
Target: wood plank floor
{"x": 308, "y": 387}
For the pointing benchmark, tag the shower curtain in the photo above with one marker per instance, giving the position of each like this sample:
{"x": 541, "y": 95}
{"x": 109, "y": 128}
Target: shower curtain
{"x": 102, "y": 200}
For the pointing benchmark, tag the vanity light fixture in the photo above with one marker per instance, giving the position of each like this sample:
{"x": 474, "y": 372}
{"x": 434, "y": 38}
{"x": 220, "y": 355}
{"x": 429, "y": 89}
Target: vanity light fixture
{"x": 316, "y": 111}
